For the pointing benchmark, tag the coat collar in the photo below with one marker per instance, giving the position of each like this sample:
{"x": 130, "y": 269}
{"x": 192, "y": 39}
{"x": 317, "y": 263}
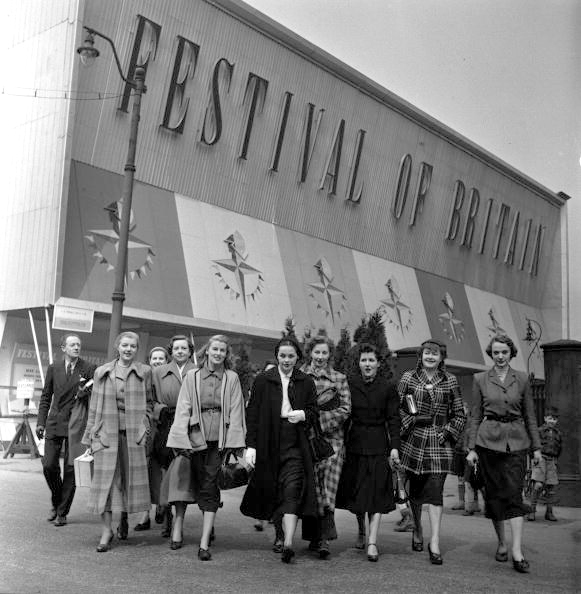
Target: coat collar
{"x": 273, "y": 375}
{"x": 172, "y": 368}
{"x": 137, "y": 368}
{"x": 510, "y": 377}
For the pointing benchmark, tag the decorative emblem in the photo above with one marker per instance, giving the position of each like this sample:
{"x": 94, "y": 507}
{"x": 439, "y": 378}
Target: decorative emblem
{"x": 453, "y": 327}
{"x": 239, "y": 278}
{"x": 495, "y": 327}
{"x": 329, "y": 298}
{"x": 396, "y": 311}
{"x": 105, "y": 244}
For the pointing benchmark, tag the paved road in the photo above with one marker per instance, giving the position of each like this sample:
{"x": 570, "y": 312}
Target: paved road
{"x": 37, "y": 557}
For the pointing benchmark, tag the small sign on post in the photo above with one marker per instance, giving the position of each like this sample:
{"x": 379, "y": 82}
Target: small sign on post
{"x": 75, "y": 319}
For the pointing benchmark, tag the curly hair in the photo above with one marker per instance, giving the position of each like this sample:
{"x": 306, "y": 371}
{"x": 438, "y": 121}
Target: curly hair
{"x": 504, "y": 339}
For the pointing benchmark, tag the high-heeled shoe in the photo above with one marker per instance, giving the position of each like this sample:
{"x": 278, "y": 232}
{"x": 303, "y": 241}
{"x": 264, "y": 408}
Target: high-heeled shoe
{"x": 204, "y": 554}
{"x": 103, "y": 547}
{"x": 501, "y": 556}
{"x": 278, "y": 545}
{"x": 143, "y": 526}
{"x": 373, "y": 557}
{"x": 521, "y": 566}
{"x": 287, "y": 555}
{"x": 123, "y": 528}
{"x": 417, "y": 545}
{"x": 435, "y": 558}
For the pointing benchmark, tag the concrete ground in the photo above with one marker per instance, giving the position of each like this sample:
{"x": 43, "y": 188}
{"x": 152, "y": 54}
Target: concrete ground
{"x": 35, "y": 556}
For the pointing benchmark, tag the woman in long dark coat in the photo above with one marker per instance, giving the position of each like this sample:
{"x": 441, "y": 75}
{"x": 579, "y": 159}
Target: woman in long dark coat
{"x": 281, "y": 407}
{"x": 372, "y": 442}
{"x": 428, "y": 437}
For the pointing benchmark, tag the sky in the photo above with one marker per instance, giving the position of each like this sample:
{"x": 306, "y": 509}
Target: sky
{"x": 504, "y": 73}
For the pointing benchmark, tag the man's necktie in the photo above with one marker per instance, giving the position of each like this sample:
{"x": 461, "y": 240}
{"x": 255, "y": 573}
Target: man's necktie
{"x": 69, "y": 369}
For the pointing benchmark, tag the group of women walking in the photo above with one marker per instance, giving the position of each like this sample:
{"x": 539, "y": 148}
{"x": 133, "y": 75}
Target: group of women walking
{"x": 315, "y": 439}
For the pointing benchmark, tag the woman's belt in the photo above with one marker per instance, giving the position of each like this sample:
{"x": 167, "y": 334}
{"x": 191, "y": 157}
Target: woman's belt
{"x": 212, "y": 409}
{"x": 501, "y": 419}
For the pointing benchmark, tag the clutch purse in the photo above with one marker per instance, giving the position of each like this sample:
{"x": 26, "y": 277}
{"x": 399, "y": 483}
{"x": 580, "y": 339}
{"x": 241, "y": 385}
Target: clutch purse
{"x": 232, "y": 473}
{"x": 83, "y": 465}
{"x": 320, "y": 448}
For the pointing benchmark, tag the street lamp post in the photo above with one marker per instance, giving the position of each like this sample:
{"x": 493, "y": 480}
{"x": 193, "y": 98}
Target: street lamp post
{"x": 88, "y": 53}
{"x": 533, "y": 335}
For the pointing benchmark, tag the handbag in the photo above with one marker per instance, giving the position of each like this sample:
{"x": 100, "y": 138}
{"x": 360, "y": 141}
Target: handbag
{"x": 232, "y": 473}
{"x": 320, "y": 448}
{"x": 475, "y": 478}
{"x": 399, "y": 486}
{"x": 83, "y": 465}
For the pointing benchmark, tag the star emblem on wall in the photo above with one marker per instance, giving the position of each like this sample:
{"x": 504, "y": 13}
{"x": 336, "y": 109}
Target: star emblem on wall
{"x": 241, "y": 280}
{"x": 453, "y": 327}
{"x": 105, "y": 244}
{"x": 329, "y": 299}
{"x": 495, "y": 327}
{"x": 398, "y": 313}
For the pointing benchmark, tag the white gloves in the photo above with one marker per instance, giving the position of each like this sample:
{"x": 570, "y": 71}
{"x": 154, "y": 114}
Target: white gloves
{"x": 250, "y": 456}
{"x": 296, "y": 416}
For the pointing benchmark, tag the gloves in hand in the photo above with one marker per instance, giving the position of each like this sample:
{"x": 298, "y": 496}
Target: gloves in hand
{"x": 296, "y": 416}
{"x": 250, "y": 456}
{"x": 422, "y": 420}
{"x": 39, "y": 432}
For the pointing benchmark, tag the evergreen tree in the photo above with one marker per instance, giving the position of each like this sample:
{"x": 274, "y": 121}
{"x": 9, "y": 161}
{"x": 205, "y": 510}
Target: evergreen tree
{"x": 372, "y": 331}
{"x": 341, "y": 355}
{"x": 289, "y": 328}
{"x": 245, "y": 370}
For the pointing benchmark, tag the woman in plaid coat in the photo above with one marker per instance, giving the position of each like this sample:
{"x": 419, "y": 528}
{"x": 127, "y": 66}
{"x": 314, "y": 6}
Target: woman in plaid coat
{"x": 432, "y": 419}
{"x": 117, "y": 429}
{"x": 334, "y": 402}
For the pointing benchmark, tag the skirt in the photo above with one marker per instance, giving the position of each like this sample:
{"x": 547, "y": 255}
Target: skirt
{"x": 291, "y": 472}
{"x": 503, "y": 474}
{"x": 426, "y": 488}
{"x": 117, "y": 499}
{"x": 366, "y": 485}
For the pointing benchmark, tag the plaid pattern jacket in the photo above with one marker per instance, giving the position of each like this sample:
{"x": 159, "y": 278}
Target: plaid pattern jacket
{"x": 334, "y": 402}
{"x": 430, "y": 449}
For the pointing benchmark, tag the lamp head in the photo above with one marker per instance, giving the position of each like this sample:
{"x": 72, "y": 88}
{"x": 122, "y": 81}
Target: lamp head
{"x": 88, "y": 52}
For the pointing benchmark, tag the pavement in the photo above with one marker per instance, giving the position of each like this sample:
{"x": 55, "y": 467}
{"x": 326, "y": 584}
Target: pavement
{"x": 37, "y": 557}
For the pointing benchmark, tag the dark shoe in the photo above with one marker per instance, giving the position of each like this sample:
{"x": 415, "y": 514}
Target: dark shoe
{"x": 549, "y": 516}
{"x": 123, "y": 528}
{"x": 60, "y": 521}
{"x": 324, "y": 550}
{"x": 167, "y": 525}
{"x": 204, "y": 554}
{"x": 51, "y": 515}
{"x": 521, "y": 566}
{"x": 143, "y": 526}
{"x": 258, "y": 526}
{"x": 174, "y": 545}
{"x": 160, "y": 512}
{"x": 278, "y": 546}
{"x": 435, "y": 558}
{"x": 103, "y": 547}
{"x": 372, "y": 556}
{"x": 417, "y": 545}
{"x": 287, "y": 555}
{"x": 501, "y": 557}
{"x": 360, "y": 543}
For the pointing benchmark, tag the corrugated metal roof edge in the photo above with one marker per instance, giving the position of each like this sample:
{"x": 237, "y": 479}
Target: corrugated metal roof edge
{"x": 280, "y": 34}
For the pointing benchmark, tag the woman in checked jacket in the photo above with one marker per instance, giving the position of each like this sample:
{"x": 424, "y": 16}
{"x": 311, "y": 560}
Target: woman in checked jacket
{"x": 334, "y": 403}
{"x": 432, "y": 419}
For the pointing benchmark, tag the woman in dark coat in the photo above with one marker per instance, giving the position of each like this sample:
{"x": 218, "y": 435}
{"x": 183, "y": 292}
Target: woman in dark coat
{"x": 372, "y": 442}
{"x": 429, "y": 429}
{"x": 503, "y": 429}
{"x": 282, "y": 405}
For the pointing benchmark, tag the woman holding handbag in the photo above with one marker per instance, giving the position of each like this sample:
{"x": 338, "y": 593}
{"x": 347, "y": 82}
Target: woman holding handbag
{"x": 209, "y": 420}
{"x": 334, "y": 403}
{"x": 282, "y": 406}
{"x": 503, "y": 429}
{"x": 372, "y": 443}
{"x": 117, "y": 428}
{"x": 432, "y": 420}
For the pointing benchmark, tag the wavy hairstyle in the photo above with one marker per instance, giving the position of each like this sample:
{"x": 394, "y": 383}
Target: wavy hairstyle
{"x": 202, "y": 354}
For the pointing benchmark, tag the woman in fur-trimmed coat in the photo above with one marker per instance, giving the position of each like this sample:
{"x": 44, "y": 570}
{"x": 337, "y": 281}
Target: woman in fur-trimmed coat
{"x": 117, "y": 428}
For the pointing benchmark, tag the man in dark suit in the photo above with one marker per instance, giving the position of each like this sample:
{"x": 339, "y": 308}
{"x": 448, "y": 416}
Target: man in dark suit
{"x": 68, "y": 385}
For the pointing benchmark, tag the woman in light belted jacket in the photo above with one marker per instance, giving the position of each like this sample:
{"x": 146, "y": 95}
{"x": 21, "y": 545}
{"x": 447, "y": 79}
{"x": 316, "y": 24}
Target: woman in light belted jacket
{"x": 502, "y": 430}
{"x": 209, "y": 419}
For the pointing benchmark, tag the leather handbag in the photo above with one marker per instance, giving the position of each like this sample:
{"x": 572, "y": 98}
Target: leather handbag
{"x": 320, "y": 448}
{"x": 83, "y": 466}
{"x": 233, "y": 473}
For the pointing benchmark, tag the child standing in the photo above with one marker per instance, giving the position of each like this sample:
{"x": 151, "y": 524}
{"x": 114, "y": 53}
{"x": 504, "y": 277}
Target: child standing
{"x": 544, "y": 474}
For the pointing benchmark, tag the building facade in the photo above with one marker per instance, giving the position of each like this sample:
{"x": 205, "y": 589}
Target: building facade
{"x": 272, "y": 181}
